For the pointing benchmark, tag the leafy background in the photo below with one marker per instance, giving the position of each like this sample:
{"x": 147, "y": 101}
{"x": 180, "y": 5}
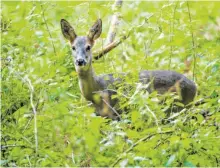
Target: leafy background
{"x": 37, "y": 73}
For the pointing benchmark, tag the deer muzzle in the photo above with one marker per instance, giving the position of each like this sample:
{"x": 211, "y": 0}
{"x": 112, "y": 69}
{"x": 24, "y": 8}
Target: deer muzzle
{"x": 80, "y": 62}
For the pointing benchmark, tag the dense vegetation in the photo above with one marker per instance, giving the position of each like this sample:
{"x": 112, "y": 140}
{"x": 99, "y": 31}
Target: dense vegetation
{"x": 46, "y": 122}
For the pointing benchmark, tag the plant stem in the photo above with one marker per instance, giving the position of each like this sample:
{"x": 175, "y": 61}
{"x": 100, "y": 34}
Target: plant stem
{"x": 51, "y": 38}
{"x": 172, "y": 34}
{"x": 114, "y": 22}
{"x": 136, "y": 143}
{"x": 193, "y": 42}
{"x": 31, "y": 88}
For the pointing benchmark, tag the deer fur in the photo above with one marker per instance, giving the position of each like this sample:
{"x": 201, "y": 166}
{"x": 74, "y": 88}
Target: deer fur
{"x": 95, "y": 88}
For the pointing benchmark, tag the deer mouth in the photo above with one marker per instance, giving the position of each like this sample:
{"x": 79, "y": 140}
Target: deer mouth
{"x": 81, "y": 65}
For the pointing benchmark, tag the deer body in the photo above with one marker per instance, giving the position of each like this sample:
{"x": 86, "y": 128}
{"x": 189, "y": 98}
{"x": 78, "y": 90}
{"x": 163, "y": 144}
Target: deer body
{"x": 95, "y": 88}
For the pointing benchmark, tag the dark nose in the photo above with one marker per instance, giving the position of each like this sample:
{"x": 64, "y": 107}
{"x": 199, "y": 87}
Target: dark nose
{"x": 80, "y": 62}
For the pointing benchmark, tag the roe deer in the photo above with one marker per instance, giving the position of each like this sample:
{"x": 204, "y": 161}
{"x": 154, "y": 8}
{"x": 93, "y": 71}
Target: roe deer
{"x": 95, "y": 88}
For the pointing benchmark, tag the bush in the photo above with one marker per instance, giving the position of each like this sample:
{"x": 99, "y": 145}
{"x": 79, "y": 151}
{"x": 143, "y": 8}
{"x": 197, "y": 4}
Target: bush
{"x": 45, "y": 122}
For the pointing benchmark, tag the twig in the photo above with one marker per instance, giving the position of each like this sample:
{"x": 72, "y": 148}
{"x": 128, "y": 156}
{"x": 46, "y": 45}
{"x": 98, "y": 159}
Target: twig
{"x": 51, "y": 38}
{"x": 193, "y": 42}
{"x": 112, "y": 109}
{"x": 162, "y": 141}
{"x": 28, "y": 123}
{"x": 81, "y": 107}
{"x": 154, "y": 116}
{"x": 199, "y": 102}
{"x": 31, "y": 88}
{"x": 11, "y": 146}
{"x": 108, "y": 48}
{"x": 28, "y": 158}
{"x": 176, "y": 115}
{"x": 136, "y": 143}
{"x": 119, "y": 93}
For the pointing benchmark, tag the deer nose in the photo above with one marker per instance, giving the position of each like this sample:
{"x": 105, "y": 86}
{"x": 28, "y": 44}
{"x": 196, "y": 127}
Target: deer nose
{"x": 80, "y": 62}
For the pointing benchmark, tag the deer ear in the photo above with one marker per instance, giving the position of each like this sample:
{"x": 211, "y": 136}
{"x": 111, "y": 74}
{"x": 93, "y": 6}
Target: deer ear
{"x": 67, "y": 30}
{"x": 96, "y": 30}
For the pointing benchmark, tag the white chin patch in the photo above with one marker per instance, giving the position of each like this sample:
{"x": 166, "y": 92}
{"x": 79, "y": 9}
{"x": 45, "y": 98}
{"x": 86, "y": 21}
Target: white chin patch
{"x": 82, "y": 67}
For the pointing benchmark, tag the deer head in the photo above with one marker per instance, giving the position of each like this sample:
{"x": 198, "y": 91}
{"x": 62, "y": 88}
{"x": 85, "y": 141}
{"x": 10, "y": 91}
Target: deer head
{"x": 81, "y": 45}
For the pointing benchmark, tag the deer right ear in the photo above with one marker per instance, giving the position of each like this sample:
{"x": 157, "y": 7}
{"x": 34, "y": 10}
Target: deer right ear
{"x": 67, "y": 30}
{"x": 96, "y": 30}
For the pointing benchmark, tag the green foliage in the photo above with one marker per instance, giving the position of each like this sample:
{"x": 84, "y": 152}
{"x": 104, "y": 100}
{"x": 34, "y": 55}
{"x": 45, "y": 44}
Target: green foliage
{"x": 36, "y": 65}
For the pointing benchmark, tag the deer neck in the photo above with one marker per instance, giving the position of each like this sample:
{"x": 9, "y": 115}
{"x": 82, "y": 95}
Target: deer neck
{"x": 88, "y": 83}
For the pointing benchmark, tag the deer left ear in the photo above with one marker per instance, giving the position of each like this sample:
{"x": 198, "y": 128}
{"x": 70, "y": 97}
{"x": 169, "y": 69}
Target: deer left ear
{"x": 67, "y": 30}
{"x": 96, "y": 30}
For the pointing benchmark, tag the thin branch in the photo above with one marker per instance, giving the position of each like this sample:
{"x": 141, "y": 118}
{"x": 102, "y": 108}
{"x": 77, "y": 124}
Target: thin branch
{"x": 119, "y": 93}
{"x": 51, "y": 38}
{"x": 28, "y": 123}
{"x": 108, "y": 48}
{"x": 154, "y": 116}
{"x": 162, "y": 141}
{"x": 28, "y": 158}
{"x": 31, "y": 88}
{"x": 193, "y": 43}
{"x": 136, "y": 143}
{"x": 199, "y": 102}
{"x": 11, "y": 146}
{"x": 112, "y": 109}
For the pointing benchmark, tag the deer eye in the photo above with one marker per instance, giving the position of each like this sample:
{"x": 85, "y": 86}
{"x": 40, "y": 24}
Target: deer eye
{"x": 88, "y": 48}
{"x": 73, "y": 48}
